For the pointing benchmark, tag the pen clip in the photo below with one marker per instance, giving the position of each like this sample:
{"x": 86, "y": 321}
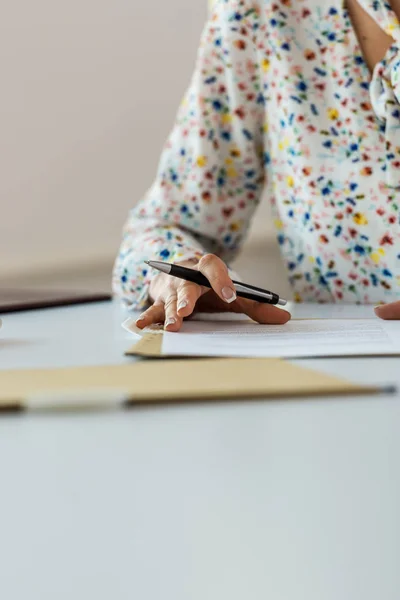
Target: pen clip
{"x": 248, "y": 289}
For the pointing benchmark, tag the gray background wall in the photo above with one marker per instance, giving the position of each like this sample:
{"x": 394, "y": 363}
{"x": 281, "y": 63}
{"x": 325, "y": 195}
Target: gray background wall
{"x": 89, "y": 91}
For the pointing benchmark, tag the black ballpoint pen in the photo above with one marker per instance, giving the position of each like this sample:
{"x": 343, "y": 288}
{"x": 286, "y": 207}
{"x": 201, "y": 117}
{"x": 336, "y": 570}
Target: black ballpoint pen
{"x": 243, "y": 290}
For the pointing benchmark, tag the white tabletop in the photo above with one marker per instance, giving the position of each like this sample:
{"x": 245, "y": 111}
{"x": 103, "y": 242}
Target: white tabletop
{"x": 288, "y": 500}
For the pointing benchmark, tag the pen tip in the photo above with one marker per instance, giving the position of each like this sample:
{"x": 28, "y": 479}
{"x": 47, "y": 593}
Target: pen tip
{"x": 147, "y": 262}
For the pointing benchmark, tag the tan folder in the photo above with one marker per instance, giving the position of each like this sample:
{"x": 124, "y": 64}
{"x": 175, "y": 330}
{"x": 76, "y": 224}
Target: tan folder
{"x": 149, "y": 346}
{"x": 169, "y": 381}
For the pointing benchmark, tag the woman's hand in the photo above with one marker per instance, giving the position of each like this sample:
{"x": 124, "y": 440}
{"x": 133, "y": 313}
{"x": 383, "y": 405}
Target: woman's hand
{"x": 174, "y": 299}
{"x": 389, "y": 311}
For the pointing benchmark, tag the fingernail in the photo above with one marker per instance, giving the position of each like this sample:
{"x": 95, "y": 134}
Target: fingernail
{"x": 182, "y": 304}
{"x": 141, "y": 318}
{"x": 229, "y": 294}
{"x": 170, "y": 321}
{"x": 378, "y": 309}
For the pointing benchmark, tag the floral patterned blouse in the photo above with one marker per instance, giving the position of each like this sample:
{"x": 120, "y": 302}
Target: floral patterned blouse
{"x": 282, "y": 102}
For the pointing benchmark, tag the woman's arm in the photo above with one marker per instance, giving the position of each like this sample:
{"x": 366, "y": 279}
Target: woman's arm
{"x": 210, "y": 176}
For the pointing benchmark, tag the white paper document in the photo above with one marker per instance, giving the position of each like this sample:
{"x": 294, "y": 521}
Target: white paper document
{"x": 310, "y": 310}
{"x": 298, "y": 338}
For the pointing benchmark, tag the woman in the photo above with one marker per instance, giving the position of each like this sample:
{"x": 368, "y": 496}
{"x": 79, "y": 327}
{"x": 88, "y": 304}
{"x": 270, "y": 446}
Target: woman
{"x": 300, "y": 98}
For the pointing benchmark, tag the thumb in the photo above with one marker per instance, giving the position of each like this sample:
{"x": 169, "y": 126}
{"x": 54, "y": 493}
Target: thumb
{"x": 388, "y": 311}
{"x": 262, "y": 313}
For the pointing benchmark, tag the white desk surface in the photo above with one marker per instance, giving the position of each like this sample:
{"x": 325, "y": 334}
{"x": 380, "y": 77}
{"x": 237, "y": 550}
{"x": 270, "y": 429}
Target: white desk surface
{"x": 285, "y": 500}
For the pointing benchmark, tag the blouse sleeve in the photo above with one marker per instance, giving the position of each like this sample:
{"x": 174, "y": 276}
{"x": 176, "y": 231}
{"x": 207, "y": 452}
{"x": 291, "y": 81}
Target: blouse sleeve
{"x": 211, "y": 172}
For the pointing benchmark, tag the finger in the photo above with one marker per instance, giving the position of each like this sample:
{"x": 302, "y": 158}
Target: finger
{"x": 261, "y": 312}
{"x": 172, "y": 321}
{"x": 154, "y": 314}
{"x": 217, "y": 274}
{"x": 188, "y": 295}
{"x": 389, "y": 311}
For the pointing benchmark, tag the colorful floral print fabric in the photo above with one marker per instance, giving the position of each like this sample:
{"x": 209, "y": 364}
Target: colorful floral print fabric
{"x": 282, "y": 102}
